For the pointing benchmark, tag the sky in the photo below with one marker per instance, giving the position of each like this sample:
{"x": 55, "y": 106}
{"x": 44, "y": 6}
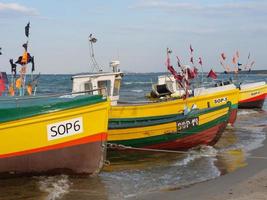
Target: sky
{"x": 135, "y": 32}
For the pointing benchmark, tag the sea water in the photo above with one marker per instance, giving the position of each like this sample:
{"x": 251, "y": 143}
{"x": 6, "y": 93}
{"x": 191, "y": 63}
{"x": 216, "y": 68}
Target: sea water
{"x": 139, "y": 173}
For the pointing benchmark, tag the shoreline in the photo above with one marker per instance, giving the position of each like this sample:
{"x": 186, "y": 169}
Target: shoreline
{"x": 249, "y": 182}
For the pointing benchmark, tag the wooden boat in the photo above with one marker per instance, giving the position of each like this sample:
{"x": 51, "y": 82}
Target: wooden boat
{"x": 43, "y": 135}
{"x": 163, "y": 126}
{"x": 252, "y": 95}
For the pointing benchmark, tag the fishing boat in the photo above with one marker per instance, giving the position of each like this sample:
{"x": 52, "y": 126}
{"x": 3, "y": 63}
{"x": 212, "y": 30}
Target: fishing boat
{"x": 252, "y": 95}
{"x": 177, "y": 123}
{"x": 52, "y": 135}
{"x": 162, "y": 125}
{"x": 49, "y": 134}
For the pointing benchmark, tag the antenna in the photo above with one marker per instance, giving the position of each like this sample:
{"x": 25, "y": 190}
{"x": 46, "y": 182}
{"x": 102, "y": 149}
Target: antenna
{"x": 93, "y": 40}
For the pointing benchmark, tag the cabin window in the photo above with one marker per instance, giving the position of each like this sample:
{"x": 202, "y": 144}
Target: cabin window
{"x": 104, "y": 84}
{"x": 117, "y": 85}
{"x": 88, "y": 86}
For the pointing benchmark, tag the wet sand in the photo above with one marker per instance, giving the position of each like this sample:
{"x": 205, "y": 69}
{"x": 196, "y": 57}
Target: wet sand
{"x": 249, "y": 182}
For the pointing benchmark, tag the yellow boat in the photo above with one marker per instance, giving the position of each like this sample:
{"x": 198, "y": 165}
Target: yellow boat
{"x": 53, "y": 135}
{"x": 252, "y": 95}
{"x": 163, "y": 126}
{"x": 206, "y": 99}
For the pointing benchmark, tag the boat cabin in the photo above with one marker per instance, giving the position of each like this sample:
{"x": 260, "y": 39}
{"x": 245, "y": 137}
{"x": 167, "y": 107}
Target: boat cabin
{"x": 105, "y": 83}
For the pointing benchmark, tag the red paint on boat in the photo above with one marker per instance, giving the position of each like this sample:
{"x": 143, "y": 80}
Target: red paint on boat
{"x": 233, "y": 115}
{"x": 207, "y": 137}
{"x": 257, "y": 98}
{"x": 255, "y": 102}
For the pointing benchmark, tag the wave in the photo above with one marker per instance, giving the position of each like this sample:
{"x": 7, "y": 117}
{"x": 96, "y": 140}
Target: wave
{"x": 56, "y": 186}
{"x": 246, "y": 112}
{"x": 193, "y": 154}
{"x": 137, "y": 91}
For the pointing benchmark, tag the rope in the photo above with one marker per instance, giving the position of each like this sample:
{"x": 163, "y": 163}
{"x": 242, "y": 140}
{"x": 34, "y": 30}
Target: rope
{"x": 124, "y": 147}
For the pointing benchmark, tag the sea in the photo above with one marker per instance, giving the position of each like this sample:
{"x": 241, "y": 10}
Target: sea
{"x": 131, "y": 174}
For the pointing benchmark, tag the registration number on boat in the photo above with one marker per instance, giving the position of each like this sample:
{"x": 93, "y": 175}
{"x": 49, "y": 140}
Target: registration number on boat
{"x": 65, "y": 128}
{"x": 188, "y": 123}
{"x": 220, "y": 100}
{"x": 255, "y": 93}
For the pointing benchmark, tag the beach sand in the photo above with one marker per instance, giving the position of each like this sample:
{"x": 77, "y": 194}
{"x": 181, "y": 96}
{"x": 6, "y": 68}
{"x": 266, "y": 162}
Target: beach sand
{"x": 247, "y": 183}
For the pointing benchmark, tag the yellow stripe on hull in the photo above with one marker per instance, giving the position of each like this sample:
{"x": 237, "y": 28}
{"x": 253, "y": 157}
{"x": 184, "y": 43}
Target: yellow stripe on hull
{"x": 248, "y": 93}
{"x": 32, "y": 133}
{"x": 174, "y": 106}
{"x": 156, "y": 130}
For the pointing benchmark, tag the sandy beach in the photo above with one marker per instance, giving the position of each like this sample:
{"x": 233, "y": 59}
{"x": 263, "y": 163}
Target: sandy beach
{"x": 249, "y": 182}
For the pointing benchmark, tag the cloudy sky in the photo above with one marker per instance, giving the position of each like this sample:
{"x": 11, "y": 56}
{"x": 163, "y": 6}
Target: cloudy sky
{"x": 137, "y": 32}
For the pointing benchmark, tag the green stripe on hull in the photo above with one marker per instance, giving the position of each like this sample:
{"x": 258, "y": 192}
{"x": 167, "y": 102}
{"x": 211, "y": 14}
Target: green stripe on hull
{"x": 168, "y": 137}
{"x": 234, "y": 106}
{"x": 16, "y": 113}
{"x": 157, "y": 120}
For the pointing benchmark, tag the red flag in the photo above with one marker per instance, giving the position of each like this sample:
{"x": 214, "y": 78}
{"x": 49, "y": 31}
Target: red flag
{"x": 2, "y": 86}
{"x": 223, "y": 56}
{"x": 191, "y": 49}
{"x": 212, "y": 74}
{"x": 200, "y": 61}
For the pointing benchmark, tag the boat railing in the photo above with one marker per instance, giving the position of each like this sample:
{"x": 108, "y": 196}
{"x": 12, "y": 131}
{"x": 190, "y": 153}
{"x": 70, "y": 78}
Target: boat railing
{"x": 16, "y": 100}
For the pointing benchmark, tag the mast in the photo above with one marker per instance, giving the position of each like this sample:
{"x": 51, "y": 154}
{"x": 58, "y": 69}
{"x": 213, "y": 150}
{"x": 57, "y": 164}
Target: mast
{"x": 93, "y": 40}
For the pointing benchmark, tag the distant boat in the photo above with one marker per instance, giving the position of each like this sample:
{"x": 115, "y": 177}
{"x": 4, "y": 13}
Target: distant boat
{"x": 252, "y": 95}
{"x": 53, "y": 135}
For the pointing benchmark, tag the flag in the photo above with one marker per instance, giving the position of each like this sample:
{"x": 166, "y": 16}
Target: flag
{"x": 191, "y": 49}
{"x": 24, "y": 58}
{"x": 212, "y": 74}
{"x": 192, "y": 60}
{"x": 178, "y": 62}
{"x": 234, "y": 60}
{"x": 27, "y": 29}
{"x": 200, "y": 61}
{"x": 13, "y": 67}
{"x": 33, "y": 65}
{"x": 18, "y": 83}
{"x": 29, "y": 89}
{"x": 25, "y": 46}
{"x": 192, "y": 73}
{"x": 21, "y": 60}
{"x": 3, "y": 82}
{"x": 223, "y": 56}
{"x": 2, "y": 86}
{"x": 11, "y": 90}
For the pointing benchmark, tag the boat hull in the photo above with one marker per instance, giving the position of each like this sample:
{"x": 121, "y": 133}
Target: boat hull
{"x": 253, "y": 102}
{"x": 177, "y": 105}
{"x": 26, "y": 146}
{"x": 165, "y": 132}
